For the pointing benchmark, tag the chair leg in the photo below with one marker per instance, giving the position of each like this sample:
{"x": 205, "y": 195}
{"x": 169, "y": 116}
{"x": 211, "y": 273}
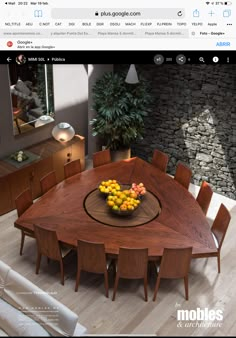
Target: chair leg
{"x": 106, "y": 283}
{"x": 62, "y": 272}
{"x": 145, "y": 288}
{"x": 156, "y": 288}
{"x": 218, "y": 262}
{"x": 22, "y": 242}
{"x": 115, "y": 287}
{"x": 38, "y": 263}
{"x": 186, "y": 286}
{"x": 77, "y": 279}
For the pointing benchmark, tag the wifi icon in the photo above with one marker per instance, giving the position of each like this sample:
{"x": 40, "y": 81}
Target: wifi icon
{"x": 208, "y": 3}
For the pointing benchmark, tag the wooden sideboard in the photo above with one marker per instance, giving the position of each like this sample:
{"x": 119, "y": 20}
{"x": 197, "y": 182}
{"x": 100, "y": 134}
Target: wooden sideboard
{"x": 52, "y": 156}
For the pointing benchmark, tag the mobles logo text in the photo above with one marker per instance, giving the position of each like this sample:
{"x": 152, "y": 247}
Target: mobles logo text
{"x": 200, "y": 318}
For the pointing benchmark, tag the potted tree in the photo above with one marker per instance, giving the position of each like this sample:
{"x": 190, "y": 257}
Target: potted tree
{"x": 120, "y": 109}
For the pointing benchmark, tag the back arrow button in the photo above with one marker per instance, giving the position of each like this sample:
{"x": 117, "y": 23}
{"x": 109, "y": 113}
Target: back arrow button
{"x": 8, "y": 59}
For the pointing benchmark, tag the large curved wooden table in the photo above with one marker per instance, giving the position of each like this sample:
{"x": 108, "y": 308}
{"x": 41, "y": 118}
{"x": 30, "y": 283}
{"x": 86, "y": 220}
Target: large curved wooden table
{"x": 181, "y": 222}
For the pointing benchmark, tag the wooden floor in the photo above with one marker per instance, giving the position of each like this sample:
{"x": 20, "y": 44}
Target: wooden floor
{"x": 130, "y": 314}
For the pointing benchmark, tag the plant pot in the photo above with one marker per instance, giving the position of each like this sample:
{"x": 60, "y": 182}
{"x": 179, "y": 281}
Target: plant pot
{"x": 118, "y": 155}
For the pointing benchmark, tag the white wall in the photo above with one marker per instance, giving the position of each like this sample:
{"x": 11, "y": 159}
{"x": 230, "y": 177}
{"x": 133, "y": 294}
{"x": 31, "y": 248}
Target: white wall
{"x": 71, "y": 96}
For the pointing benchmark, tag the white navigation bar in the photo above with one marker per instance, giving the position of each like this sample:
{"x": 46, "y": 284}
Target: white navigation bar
{"x": 194, "y": 24}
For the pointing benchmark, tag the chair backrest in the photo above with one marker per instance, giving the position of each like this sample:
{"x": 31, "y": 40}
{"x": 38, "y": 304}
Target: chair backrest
{"x": 132, "y": 263}
{"x": 23, "y": 202}
{"x": 220, "y": 224}
{"x": 204, "y": 196}
{"x": 175, "y": 263}
{"x": 47, "y": 242}
{"x": 91, "y": 256}
{"x": 160, "y": 160}
{"x": 183, "y": 175}
{"x": 101, "y": 158}
{"x": 48, "y": 181}
{"x": 72, "y": 168}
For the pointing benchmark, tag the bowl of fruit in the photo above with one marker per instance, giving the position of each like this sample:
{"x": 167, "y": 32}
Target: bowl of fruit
{"x": 123, "y": 203}
{"x": 138, "y": 189}
{"x": 109, "y": 187}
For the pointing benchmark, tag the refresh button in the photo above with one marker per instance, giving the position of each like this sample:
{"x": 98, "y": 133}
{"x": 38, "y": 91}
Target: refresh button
{"x": 179, "y": 13}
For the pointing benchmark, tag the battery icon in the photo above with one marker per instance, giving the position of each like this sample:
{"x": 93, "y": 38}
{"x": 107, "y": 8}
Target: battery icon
{"x": 228, "y": 3}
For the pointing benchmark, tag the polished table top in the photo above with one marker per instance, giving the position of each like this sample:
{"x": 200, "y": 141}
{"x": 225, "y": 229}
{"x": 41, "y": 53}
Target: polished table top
{"x": 181, "y": 222}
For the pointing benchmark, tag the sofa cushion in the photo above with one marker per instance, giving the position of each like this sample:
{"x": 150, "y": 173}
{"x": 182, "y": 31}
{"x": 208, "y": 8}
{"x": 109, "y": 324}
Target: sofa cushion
{"x": 16, "y": 323}
{"x": 21, "y": 293}
{"x": 56, "y": 318}
{"x": 80, "y": 330}
{"x": 3, "y": 333}
{"x": 4, "y": 269}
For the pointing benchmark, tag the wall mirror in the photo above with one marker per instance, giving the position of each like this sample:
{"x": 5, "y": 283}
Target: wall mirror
{"x": 31, "y": 89}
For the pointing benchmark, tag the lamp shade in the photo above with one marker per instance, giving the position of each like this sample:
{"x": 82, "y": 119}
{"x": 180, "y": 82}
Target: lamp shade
{"x": 44, "y": 119}
{"x": 132, "y": 76}
{"x": 63, "y": 132}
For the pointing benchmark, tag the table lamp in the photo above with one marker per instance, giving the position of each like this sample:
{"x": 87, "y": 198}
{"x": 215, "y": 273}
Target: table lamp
{"x": 63, "y": 132}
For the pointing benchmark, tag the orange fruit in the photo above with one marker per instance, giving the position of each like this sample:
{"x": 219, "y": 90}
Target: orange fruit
{"x": 133, "y": 195}
{"x": 118, "y": 201}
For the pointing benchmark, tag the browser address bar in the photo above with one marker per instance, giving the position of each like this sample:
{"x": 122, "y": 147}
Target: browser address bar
{"x": 118, "y": 13}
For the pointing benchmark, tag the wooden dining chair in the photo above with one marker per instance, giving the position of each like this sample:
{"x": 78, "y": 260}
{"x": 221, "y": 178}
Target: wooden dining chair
{"x": 175, "y": 264}
{"x": 91, "y": 257}
{"x": 183, "y": 175}
{"x": 48, "y": 181}
{"x": 23, "y": 202}
{"x": 132, "y": 264}
{"x": 101, "y": 158}
{"x": 49, "y": 246}
{"x": 72, "y": 168}
{"x": 219, "y": 229}
{"x": 204, "y": 196}
{"x": 160, "y": 160}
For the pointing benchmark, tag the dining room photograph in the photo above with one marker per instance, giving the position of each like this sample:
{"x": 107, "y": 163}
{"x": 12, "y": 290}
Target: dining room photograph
{"x": 118, "y": 199}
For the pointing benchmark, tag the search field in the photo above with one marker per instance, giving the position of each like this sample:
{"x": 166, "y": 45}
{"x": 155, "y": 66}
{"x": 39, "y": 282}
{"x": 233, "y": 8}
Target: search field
{"x": 118, "y": 13}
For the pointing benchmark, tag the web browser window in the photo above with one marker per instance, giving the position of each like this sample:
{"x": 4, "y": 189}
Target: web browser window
{"x": 137, "y": 78}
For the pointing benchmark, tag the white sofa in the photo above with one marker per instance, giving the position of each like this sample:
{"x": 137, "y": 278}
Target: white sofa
{"x": 26, "y": 310}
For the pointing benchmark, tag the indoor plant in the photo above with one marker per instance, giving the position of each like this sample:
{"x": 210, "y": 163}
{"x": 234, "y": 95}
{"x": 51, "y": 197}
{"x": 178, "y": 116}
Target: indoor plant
{"x": 120, "y": 109}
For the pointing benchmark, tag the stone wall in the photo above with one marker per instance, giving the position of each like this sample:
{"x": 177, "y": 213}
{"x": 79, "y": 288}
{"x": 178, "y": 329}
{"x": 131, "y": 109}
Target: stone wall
{"x": 193, "y": 120}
